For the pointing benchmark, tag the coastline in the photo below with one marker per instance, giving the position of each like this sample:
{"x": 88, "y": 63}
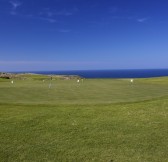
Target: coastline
{"x": 120, "y": 73}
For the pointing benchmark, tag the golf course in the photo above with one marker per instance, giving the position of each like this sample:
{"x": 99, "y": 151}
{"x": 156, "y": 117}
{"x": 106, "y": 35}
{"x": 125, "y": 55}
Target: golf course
{"x": 93, "y": 120}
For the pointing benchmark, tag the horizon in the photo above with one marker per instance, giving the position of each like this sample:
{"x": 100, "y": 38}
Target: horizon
{"x": 115, "y": 73}
{"x": 80, "y": 70}
{"x": 80, "y": 35}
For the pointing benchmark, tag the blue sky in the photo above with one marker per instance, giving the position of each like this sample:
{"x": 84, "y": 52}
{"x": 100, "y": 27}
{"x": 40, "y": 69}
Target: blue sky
{"x": 83, "y": 34}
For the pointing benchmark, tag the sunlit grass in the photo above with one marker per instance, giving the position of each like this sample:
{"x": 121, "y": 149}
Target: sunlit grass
{"x": 97, "y": 120}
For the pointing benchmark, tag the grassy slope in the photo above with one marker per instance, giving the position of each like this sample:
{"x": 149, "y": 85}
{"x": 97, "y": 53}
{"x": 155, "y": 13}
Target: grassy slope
{"x": 33, "y": 130}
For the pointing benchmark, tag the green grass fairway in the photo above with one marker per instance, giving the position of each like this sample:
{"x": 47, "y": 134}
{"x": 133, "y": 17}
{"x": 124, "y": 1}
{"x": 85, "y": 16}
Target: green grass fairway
{"x": 98, "y": 120}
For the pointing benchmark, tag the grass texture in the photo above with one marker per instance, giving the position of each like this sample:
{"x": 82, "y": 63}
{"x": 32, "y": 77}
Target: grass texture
{"x": 97, "y": 120}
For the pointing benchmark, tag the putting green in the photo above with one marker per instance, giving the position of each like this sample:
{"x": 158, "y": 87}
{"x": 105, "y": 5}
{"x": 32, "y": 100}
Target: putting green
{"x": 89, "y": 91}
{"x": 97, "y": 120}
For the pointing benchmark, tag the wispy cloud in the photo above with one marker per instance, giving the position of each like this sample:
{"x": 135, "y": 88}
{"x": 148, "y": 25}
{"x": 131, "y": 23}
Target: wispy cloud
{"x": 50, "y": 13}
{"x": 34, "y": 17}
{"x": 131, "y": 18}
{"x": 141, "y": 20}
{"x": 46, "y": 14}
{"x": 110, "y": 20}
{"x": 51, "y": 20}
{"x": 15, "y": 4}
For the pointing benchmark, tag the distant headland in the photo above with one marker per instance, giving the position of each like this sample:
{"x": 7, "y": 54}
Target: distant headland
{"x": 25, "y": 76}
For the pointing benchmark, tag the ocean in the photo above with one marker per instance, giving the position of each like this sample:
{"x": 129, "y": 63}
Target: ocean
{"x": 140, "y": 73}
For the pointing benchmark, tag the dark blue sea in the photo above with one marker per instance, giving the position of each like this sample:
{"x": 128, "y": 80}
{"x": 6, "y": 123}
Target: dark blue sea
{"x": 110, "y": 73}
